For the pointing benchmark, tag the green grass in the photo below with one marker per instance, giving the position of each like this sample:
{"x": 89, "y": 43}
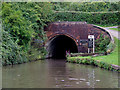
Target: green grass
{"x": 116, "y": 29}
{"x": 105, "y": 25}
{"x": 110, "y": 59}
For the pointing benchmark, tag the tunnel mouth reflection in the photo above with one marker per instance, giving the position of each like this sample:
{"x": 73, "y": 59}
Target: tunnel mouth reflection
{"x": 59, "y": 45}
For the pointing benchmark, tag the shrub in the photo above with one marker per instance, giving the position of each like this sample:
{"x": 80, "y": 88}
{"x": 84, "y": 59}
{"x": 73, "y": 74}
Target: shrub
{"x": 86, "y": 6}
{"x": 101, "y": 44}
{"x": 110, "y": 47}
{"x": 21, "y": 22}
{"x": 80, "y": 61}
{"x": 92, "y": 18}
{"x": 11, "y": 51}
{"x": 77, "y": 60}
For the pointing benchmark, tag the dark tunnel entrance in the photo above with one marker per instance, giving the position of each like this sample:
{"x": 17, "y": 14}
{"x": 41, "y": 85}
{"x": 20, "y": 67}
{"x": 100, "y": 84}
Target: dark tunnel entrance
{"x": 58, "y": 46}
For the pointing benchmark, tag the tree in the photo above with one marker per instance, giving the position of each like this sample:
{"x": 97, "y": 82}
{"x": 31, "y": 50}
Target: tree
{"x": 21, "y": 22}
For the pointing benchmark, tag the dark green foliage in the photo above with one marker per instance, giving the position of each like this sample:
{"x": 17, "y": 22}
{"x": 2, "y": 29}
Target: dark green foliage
{"x": 16, "y": 35}
{"x": 110, "y": 47}
{"x": 89, "y": 12}
{"x": 11, "y": 51}
{"x": 101, "y": 43}
{"x": 15, "y": 24}
{"x": 22, "y": 22}
{"x": 77, "y": 60}
{"x": 86, "y": 6}
{"x": 80, "y": 61}
{"x": 84, "y": 61}
{"x": 39, "y": 15}
{"x": 92, "y": 18}
{"x": 61, "y": 6}
{"x": 101, "y": 64}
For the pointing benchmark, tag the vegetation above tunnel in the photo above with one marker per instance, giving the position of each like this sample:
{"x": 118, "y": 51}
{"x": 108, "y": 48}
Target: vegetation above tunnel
{"x": 86, "y": 6}
{"x": 89, "y": 12}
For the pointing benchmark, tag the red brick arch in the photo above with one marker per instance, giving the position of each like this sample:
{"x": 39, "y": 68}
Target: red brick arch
{"x": 57, "y": 34}
{"x": 76, "y": 31}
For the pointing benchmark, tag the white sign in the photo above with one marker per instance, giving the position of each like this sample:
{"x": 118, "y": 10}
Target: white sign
{"x": 91, "y": 42}
{"x": 91, "y": 36}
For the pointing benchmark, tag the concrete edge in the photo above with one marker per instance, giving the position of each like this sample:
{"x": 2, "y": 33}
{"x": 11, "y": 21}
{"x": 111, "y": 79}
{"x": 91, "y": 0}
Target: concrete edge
{"x": 105, "y": 30}
{"x": 115, "y": 66}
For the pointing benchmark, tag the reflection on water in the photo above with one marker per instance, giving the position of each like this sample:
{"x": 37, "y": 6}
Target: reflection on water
{"x": 57, "y": 74}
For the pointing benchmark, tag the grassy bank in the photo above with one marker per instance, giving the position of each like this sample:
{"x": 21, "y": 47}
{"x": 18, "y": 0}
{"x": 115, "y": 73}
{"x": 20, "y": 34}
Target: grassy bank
{"x": 105, "y": 61}
{"x": 116, "y": 29}
{"x": 112, "y": 58}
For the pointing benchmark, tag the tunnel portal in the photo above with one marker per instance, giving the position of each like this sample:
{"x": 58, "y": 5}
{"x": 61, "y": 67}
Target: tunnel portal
{"x": 71, "y": 36}
{"x": 58, "y": 46}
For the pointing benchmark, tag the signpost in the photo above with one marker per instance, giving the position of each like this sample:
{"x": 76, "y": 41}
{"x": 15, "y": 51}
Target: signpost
{"x": 91, "y": 43}
{"x": 83, "y": 41}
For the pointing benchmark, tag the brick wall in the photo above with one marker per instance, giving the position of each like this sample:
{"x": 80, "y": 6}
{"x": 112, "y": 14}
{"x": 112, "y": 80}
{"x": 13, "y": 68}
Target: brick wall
{"x": 76, "y": 31}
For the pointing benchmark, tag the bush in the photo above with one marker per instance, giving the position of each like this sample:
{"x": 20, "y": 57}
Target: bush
{"x": 86, "y": 6}
{"x": 110, "y": 47}
{"x": 91, "y": 18}
{"x": 11, "y": 51}
{"x": 101, "y": 44}
{"x": 21, "y": 22}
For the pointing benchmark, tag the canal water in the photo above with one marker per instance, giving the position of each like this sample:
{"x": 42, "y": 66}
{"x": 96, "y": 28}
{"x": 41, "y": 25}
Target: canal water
{"x": 57, "y": 74}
